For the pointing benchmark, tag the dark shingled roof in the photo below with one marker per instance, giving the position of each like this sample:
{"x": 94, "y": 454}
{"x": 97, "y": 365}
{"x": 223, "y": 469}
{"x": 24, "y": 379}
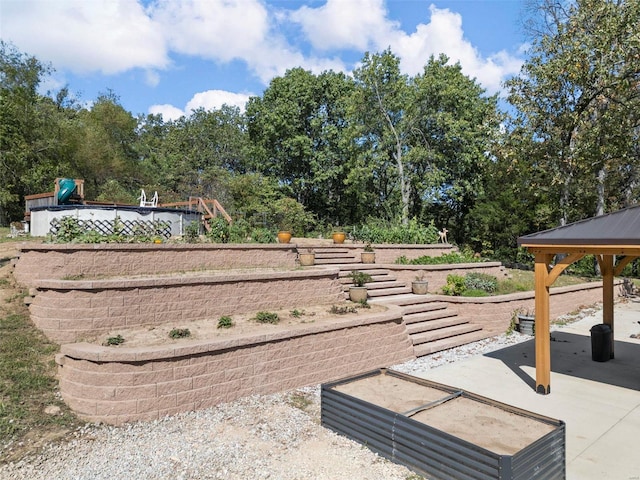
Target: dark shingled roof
{"x": 617, "y": 228}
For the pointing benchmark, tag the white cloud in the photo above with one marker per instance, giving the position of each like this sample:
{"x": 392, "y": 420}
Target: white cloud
{"x": 168, "y": 112}
{"x": 214, "y": 99}
{"x": 107, "y": 36}
{"x": 363, "y": 24}
{"x": 345, "y": 24}
{"x": 209, "y": 100}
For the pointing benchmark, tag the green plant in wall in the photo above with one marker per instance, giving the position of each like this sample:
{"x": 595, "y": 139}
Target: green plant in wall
{"x": 455, "y": 285}
{"x": 180, "y": 333}
{"x": 112, "y": 341}
{"x": 225, "y": 322}
{"x": 267, "y": 317}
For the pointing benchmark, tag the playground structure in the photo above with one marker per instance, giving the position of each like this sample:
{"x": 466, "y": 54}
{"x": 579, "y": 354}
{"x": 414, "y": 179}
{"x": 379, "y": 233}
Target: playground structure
{"x": 43, "y": 212}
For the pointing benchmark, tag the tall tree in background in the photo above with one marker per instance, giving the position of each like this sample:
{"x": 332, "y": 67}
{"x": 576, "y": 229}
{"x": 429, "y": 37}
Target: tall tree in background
{"x": 454, "y": 127}
{"x": 296, "y": 129}
{"x": 578, "y": 98}
{"x": 382, "y": 130}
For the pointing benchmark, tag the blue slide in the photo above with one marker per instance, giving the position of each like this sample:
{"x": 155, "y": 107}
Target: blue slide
{"x": 67, "y": 187}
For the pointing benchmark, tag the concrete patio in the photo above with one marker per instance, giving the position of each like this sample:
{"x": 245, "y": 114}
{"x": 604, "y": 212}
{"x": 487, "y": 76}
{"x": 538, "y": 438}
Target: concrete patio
{"x": 599, "y": 401}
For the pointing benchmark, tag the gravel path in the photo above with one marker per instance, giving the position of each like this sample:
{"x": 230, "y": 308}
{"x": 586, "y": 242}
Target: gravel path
{"x": 261, "y": 437}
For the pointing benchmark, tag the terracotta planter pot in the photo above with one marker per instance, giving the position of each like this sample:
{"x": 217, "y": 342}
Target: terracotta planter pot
{"x": 368, "y": 257}
{"x": 284, "y": 237}
{"x": 307, "y": 259}
{"x": 338, "y": 237}
{"x": 358, "y": 294}
{"x": 420, "y": 287}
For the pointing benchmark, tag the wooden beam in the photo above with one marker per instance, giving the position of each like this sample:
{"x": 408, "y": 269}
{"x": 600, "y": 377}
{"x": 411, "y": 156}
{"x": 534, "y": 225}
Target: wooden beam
{"x": 561, "y": 266}
{"x": 623, "y": 262}
{"x": 543, "y": 342}
{"x": 606, "y": 266}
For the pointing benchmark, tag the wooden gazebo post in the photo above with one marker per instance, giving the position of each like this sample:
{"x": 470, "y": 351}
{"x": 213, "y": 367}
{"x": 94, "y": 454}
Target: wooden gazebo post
{"x": 543, "y": 344}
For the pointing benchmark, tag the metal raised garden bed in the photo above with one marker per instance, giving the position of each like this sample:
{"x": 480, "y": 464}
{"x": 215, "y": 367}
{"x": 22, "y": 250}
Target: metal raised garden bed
{"x": 443, "y": 432}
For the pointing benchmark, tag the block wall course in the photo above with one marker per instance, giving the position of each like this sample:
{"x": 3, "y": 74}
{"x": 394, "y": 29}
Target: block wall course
{"x": 117, "y": 392}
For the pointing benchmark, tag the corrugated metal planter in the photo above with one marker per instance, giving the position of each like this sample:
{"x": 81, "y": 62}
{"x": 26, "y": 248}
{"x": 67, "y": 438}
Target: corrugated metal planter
{"x": 442, "y": 432}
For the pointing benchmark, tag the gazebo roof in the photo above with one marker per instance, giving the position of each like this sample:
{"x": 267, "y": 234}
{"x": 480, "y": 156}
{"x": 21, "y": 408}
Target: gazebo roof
{"x": 617, "y": 228}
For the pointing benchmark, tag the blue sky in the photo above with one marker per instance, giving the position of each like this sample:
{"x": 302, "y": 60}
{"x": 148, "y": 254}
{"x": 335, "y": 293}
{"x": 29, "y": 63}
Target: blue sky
{"x": 172, "y": 56}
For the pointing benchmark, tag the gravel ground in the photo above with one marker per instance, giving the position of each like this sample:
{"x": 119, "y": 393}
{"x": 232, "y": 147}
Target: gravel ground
{"x": 260, "y": 437}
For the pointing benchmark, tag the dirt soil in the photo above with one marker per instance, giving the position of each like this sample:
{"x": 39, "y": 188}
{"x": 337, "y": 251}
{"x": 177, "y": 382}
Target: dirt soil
{"x": 243, "y": 325}
{"x": 487, "y": 426}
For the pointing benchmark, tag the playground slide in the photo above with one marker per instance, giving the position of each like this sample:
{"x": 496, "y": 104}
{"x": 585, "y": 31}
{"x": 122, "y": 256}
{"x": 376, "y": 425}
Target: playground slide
{"x": 67, "y": 187}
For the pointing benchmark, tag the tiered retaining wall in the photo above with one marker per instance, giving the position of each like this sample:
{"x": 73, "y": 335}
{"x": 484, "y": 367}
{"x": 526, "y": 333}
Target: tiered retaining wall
{"x": 118, "y": 385}
{"x": 436, "y": 275}
{"x": 73, "y": 310}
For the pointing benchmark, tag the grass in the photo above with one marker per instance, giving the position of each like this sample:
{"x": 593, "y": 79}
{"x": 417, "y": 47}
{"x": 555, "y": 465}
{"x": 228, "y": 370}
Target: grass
{"x": 524, "y": 280}
{"x": 27, "y": 384}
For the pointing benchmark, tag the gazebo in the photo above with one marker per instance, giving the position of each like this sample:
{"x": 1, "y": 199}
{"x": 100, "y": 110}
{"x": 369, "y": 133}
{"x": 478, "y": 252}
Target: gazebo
{"x": 614, "y": 240}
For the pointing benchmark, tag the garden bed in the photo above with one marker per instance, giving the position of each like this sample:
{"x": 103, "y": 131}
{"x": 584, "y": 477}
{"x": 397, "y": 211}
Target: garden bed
{"x": 443, "y": 432}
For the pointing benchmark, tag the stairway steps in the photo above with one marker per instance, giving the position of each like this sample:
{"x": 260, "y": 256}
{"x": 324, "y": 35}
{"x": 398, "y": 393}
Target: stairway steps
{"x": 333, "y": 255}
{"x": 424, "y": 307}
{"x": 389, "y": 291}
{"x": 335, "y": 261}
{"x": 420, "y": 327}
{"x": 442, "y": 333}
{"x": 447, "y": 343}
{"x": 375, "y": 278}
{"x": 417, "y": 317}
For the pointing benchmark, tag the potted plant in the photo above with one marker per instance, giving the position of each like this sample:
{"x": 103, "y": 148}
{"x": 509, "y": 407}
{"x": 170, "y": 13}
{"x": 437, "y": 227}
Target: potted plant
{"x": 368, "y": 255}
{"x": 307, "y": 258}
{"x": 420, "y": 286}
{"x": 358, "y": 292}
{"x": 526, "y": 321}
{"x": 284, "y": 236}
{"x": 338, "y": 235}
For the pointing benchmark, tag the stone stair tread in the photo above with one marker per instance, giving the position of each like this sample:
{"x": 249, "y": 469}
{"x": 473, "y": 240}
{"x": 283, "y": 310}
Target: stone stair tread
{"x": 435, "y": 335}
{"x": 429, "y": 325}
{"x": 447, "y": 343}
{"x": 428, "y": 316}
{"x": 389, "y": 291}
{"x": 336, "y": 261}
{"x": 375, "y": 285}
{"x": 375, "y": 278}
{"x": 360, "y": 268}
{"x": 334, "y": 255}
{"x": 424, "y": 307}
{"x": 413, "y": 299}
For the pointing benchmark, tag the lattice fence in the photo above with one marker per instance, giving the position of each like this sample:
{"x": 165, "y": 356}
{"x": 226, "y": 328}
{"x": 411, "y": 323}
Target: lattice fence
{"x": 156, "y": 228}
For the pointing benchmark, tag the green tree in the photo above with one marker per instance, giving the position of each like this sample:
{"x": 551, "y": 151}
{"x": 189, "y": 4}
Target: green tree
{"x": 577, "y": 99}
{"x": 297, "y": 132}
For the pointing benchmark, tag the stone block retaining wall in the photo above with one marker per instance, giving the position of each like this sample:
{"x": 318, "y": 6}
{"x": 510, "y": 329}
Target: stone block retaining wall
{"x": 494, "y": 313}
{"x": 436, "y": 275}
{"x": 48, "y": 261}
{"x": 73, "y": 310}
{"x": 117, "y": 385}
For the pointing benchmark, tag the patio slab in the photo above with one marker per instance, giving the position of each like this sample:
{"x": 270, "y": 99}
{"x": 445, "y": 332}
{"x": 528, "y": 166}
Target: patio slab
{"x": 599, "y": 401}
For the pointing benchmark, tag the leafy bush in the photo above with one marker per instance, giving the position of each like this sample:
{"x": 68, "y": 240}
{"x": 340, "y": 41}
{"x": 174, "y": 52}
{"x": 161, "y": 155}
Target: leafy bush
{"x": 219, "y": 230}
{"x": 267, "y": 317}
{"x": 377, "y": 231}
{"x": 481, "y": 281}
{"x": 455, "y": 285}
{"x": 445, "y": 258}
{"x": 192, "y": 232}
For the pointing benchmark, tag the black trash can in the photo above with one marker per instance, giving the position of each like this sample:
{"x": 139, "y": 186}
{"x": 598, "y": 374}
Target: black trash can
{"x": 601, "y": 342}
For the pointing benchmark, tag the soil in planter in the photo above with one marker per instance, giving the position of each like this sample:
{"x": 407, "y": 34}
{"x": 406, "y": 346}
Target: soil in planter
{"x": 487, "y": 426}
{"x": 243, "y": 325}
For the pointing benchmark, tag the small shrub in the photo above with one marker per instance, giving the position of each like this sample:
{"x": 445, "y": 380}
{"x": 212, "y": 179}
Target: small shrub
{"x": 225, "y": 322}
{"x": 267, "y": 317}
{"x": 192, "y": 232}
{"x": 455, "y": 285}
{"x": 363, "y": 304}
{"x": 180, "y": 333}
{"x": 360, "y": 278}
{"x": 342, "y": 310}
{"x": 117, "y": 340}
{"x": 481, "y": 281}
{"x": 297, "y": 313}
